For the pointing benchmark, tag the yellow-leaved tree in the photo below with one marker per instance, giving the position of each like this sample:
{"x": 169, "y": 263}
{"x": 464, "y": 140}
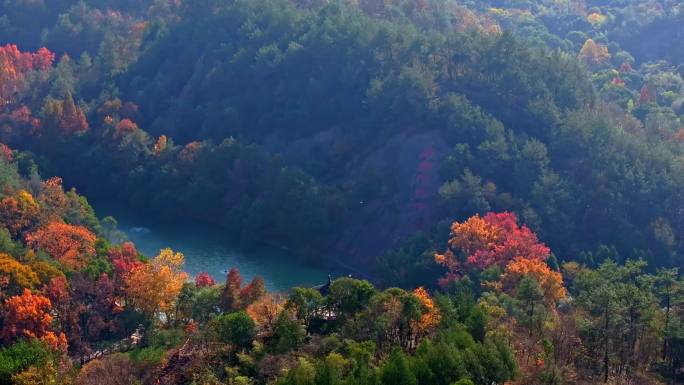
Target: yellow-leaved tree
{"x": 430, "y": 316}
{"x": 15, "y": 276}
{"x": 153, "y": 287}
{"x": 550, "y": 282}
{"x": 594, "y": 54}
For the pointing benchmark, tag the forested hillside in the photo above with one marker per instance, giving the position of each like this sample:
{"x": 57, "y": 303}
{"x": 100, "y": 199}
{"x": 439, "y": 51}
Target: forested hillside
{"x": 314, "y": 125}
{"x": 79, "y": 310}
{"x": 516, "y": 167}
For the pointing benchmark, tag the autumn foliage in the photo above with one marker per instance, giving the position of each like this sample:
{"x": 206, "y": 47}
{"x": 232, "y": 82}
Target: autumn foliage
{"x": 235, "y": 296}
{"x": 154, "y": 286}
{"x": 265, "y": 310}
{"x": 73, "y": 246}
{"x": 63, "y": 118}
{"x": 19, "y": 120}
{"x": 15, "y": 275}
{"x": 18, "y": 212}
{"x": 430, "y": 317}
{"x": 28, "y": 316}
{"x": 594, "y": 54}
{"x": 481, "y": 242}
{"x": 190, "y": 152}
{"x": 14, "y": 60}
{"x": 646, "y": 94}
{"x": 551, "y": 282}
{"x": 204, "y": 280}
{"x": 521, "y": 274}
{"x": 230, "y": 298}
{"x": 6, "y": 153}
{"x": 53, "y": 201}
{"x": 124, "y": 127}
{"x": 253, "y": 291}
{"x": 15, "y": 65}
{"x": 124, "y": 259}
{"x": 596, "y": 18}
{"x": 160, "y": 145}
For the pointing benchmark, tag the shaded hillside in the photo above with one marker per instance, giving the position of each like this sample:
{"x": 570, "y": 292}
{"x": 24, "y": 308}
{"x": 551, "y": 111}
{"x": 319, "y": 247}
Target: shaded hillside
{"x": 300, "y": 124}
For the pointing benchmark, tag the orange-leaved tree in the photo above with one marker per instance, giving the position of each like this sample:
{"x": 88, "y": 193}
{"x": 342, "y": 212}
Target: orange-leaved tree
{"x": 430, "y": 317}
{"x": 264, "y": 312}
{"x": 19, "y": 212}
{"x": 160, "y": 145}
{"x": 593, "y": 54}
{"x": 481, "y": 242}
{"x": 28, "y": 316}
{"x": 551, "y": 282}
{"x": 72, "y": 246}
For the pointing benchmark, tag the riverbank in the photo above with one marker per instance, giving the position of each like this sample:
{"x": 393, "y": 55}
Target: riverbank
{"x": 208, "y": 249}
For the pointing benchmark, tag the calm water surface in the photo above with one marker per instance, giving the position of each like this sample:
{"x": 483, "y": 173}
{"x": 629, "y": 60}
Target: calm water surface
{"x": 206, "y": 249}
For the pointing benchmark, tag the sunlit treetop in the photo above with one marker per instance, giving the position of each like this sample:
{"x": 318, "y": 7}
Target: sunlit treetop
{"x": 551, "y": 282}
{"x": 15, "y": 65}
{"x": 28, "y": 316}
{"x": 495, "y": 239}
{"x": 73, "y": 246}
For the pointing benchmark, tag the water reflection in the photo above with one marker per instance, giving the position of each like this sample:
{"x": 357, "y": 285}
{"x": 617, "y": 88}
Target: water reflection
{"x": 206, "y": 249}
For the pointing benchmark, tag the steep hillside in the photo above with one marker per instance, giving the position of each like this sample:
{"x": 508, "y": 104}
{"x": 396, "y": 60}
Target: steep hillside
{"x": 340, "y": 130}
{"x": 507, "y": 175}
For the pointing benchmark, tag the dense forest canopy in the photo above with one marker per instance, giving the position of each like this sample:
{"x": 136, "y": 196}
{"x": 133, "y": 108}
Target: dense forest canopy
{"x": 312, "y": 124}
{"x": 507, "y": 174}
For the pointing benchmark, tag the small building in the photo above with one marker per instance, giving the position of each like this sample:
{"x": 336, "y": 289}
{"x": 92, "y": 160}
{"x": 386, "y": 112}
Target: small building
{"x": 324, "y": 289}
